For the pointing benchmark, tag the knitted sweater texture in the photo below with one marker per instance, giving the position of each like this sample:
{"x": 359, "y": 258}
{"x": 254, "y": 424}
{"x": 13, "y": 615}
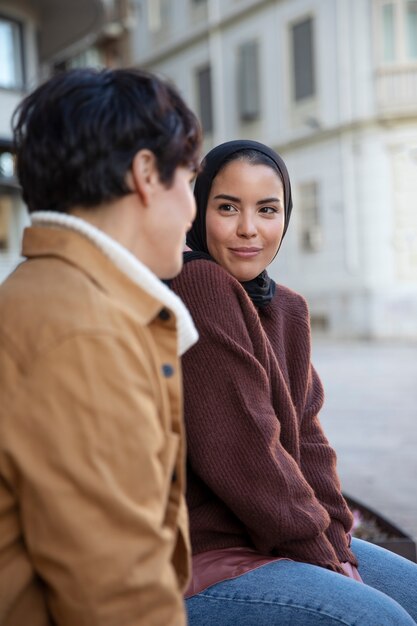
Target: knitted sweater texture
{"x": 261, "y": 472}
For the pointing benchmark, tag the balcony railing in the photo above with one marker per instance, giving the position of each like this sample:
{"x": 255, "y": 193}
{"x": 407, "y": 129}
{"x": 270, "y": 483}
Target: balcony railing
{"x": 397, "y": 89}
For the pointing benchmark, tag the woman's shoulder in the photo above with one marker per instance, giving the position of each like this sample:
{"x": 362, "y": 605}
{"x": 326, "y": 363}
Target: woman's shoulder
{"x": 204, "y": 281}
{"x": 290, "y": 303}
{"x": 207, "y": 268}
{"x": 216, "y": 300}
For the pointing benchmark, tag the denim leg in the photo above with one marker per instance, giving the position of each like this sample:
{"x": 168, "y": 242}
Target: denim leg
{"x": 388, "y": 572}
{"x": 286, "y": 593}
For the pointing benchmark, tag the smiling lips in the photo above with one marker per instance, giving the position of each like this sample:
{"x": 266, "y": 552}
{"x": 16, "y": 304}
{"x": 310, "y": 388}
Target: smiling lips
{"x": 245, "y": 253}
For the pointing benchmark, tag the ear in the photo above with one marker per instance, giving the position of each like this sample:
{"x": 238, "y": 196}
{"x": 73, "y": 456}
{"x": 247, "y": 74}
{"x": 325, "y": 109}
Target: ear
{"x": 145, "y": 175}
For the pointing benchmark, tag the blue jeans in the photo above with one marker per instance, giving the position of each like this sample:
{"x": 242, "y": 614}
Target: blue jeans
{"x": 298, "y": 594}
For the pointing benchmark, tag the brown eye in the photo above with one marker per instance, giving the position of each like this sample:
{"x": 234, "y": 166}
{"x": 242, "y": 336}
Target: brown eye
{"x": 227, "y": 208}
{"x": 268, "y": 210}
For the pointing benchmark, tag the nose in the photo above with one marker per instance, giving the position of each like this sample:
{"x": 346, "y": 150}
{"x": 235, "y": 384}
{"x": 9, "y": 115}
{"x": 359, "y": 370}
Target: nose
{"x": 246, "y": 226}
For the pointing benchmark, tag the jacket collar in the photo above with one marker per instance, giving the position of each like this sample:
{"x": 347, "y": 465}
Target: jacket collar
{"x": 108, "y": 264}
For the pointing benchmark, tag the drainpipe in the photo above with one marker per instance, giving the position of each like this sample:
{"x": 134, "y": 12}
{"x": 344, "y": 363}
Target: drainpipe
{"x": 217, "y": 74}
{"x": 344, "y": 20}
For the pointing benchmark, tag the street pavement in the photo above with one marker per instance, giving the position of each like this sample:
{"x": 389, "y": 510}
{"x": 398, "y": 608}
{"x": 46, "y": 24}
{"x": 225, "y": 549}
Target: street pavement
{"x": 370, "y": 417}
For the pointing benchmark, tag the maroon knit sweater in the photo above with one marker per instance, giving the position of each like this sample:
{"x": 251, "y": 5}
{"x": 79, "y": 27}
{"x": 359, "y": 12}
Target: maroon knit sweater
{"x": 261, "y": 472}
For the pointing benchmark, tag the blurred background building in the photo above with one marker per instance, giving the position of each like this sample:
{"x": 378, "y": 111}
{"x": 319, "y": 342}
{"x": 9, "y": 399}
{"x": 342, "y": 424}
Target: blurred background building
{"x": 38, "y": 38}
{"x": 330, "y": 84}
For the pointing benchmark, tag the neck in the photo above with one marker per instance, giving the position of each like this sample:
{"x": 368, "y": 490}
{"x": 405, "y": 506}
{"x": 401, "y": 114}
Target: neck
{"x": 117, "y": 219}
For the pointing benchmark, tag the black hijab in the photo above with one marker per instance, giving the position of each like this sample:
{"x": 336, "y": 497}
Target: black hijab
{"x": 262, "y": 288}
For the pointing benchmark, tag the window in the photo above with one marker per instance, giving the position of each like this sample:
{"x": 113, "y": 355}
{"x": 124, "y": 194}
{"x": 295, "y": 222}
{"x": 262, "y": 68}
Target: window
{"x": 159, "y": 14}
{"x": 5, "y": 220}
{"x": 11, "y": 66}
{"x": 397, "y": 30}
{"x": 104, "y": 54}
{"x": 154, "y": 15}
{"x": 411, "y": 29}
{"x": 311, "y": 236}
{"x": 7, "y": 166}
{"x": 403, "y": 168}
{"x": 9, "y": 196}
{"x": 92, "y": 57}
{"x": 302, "y": 40}
{"x": 205, "y": 99}
{"x": 248, "y": 81}
{"x": 388, "y": 32}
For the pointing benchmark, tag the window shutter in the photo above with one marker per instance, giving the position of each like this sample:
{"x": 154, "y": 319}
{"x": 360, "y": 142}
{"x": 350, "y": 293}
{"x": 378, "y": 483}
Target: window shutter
{"x": 205, "y": 99}
{"x": 303, "y": 59}
{"x": 248, "y": 81}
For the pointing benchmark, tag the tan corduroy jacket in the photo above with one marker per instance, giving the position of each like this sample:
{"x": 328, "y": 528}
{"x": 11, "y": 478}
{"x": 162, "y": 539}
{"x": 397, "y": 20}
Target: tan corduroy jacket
{"x": 93, "y": 525}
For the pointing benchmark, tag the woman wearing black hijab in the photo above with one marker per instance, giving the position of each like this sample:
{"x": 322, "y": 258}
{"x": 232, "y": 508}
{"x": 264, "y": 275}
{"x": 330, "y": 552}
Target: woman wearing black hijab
{"x": 269, "y": 525}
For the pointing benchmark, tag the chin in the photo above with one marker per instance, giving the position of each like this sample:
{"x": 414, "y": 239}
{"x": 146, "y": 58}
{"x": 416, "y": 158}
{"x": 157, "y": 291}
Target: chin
{"x": 244, "y": 271}
{"x": 171, "y": 272}
{"x": 243, "y": 278}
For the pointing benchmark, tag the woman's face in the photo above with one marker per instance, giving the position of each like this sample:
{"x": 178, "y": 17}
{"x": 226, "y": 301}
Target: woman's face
{"x": 245, "y": 218}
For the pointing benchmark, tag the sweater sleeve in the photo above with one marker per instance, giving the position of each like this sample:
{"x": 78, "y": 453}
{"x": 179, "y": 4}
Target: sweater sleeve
{"x": 233, "y": 432}
{"x": 318, "y": 464}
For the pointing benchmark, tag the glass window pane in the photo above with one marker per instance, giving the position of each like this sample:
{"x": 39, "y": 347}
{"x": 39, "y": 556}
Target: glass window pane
{"x": 248, "y": 81}
{"x": 154, "y": 15}
{"x": 11, "y": 72}
{"x": 91, "y": 57}
{"x": 5, "y": 220}
{"x": 411, "y": 29}
{"x": 7, "y": 165}
{"x": 311, "y": 231}
{"x": 159, "y": 14}
{"x": 388, "y": 32}
{"x": 303, "y": 59}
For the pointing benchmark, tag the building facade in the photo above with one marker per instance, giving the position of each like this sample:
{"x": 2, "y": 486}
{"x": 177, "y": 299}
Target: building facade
{"x": 37, "y": 38}
{"x": 332, "y": 85}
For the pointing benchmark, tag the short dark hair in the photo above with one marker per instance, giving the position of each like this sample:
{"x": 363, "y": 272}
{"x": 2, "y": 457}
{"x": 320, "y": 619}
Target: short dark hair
{"x": 76, "y": 136}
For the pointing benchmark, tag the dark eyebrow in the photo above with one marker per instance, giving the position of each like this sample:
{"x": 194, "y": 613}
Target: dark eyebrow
{"x": 224, "y": 196}
{"x": 266, "y": 200}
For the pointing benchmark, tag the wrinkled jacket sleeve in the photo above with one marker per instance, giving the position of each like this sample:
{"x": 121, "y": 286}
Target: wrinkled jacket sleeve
{"x": 93, "y": 468}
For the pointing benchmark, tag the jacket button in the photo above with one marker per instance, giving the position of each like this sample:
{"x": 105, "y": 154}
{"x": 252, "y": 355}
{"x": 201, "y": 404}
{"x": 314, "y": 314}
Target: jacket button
{"x": 164, "y": 315}
{"x": 167, "y": 370}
